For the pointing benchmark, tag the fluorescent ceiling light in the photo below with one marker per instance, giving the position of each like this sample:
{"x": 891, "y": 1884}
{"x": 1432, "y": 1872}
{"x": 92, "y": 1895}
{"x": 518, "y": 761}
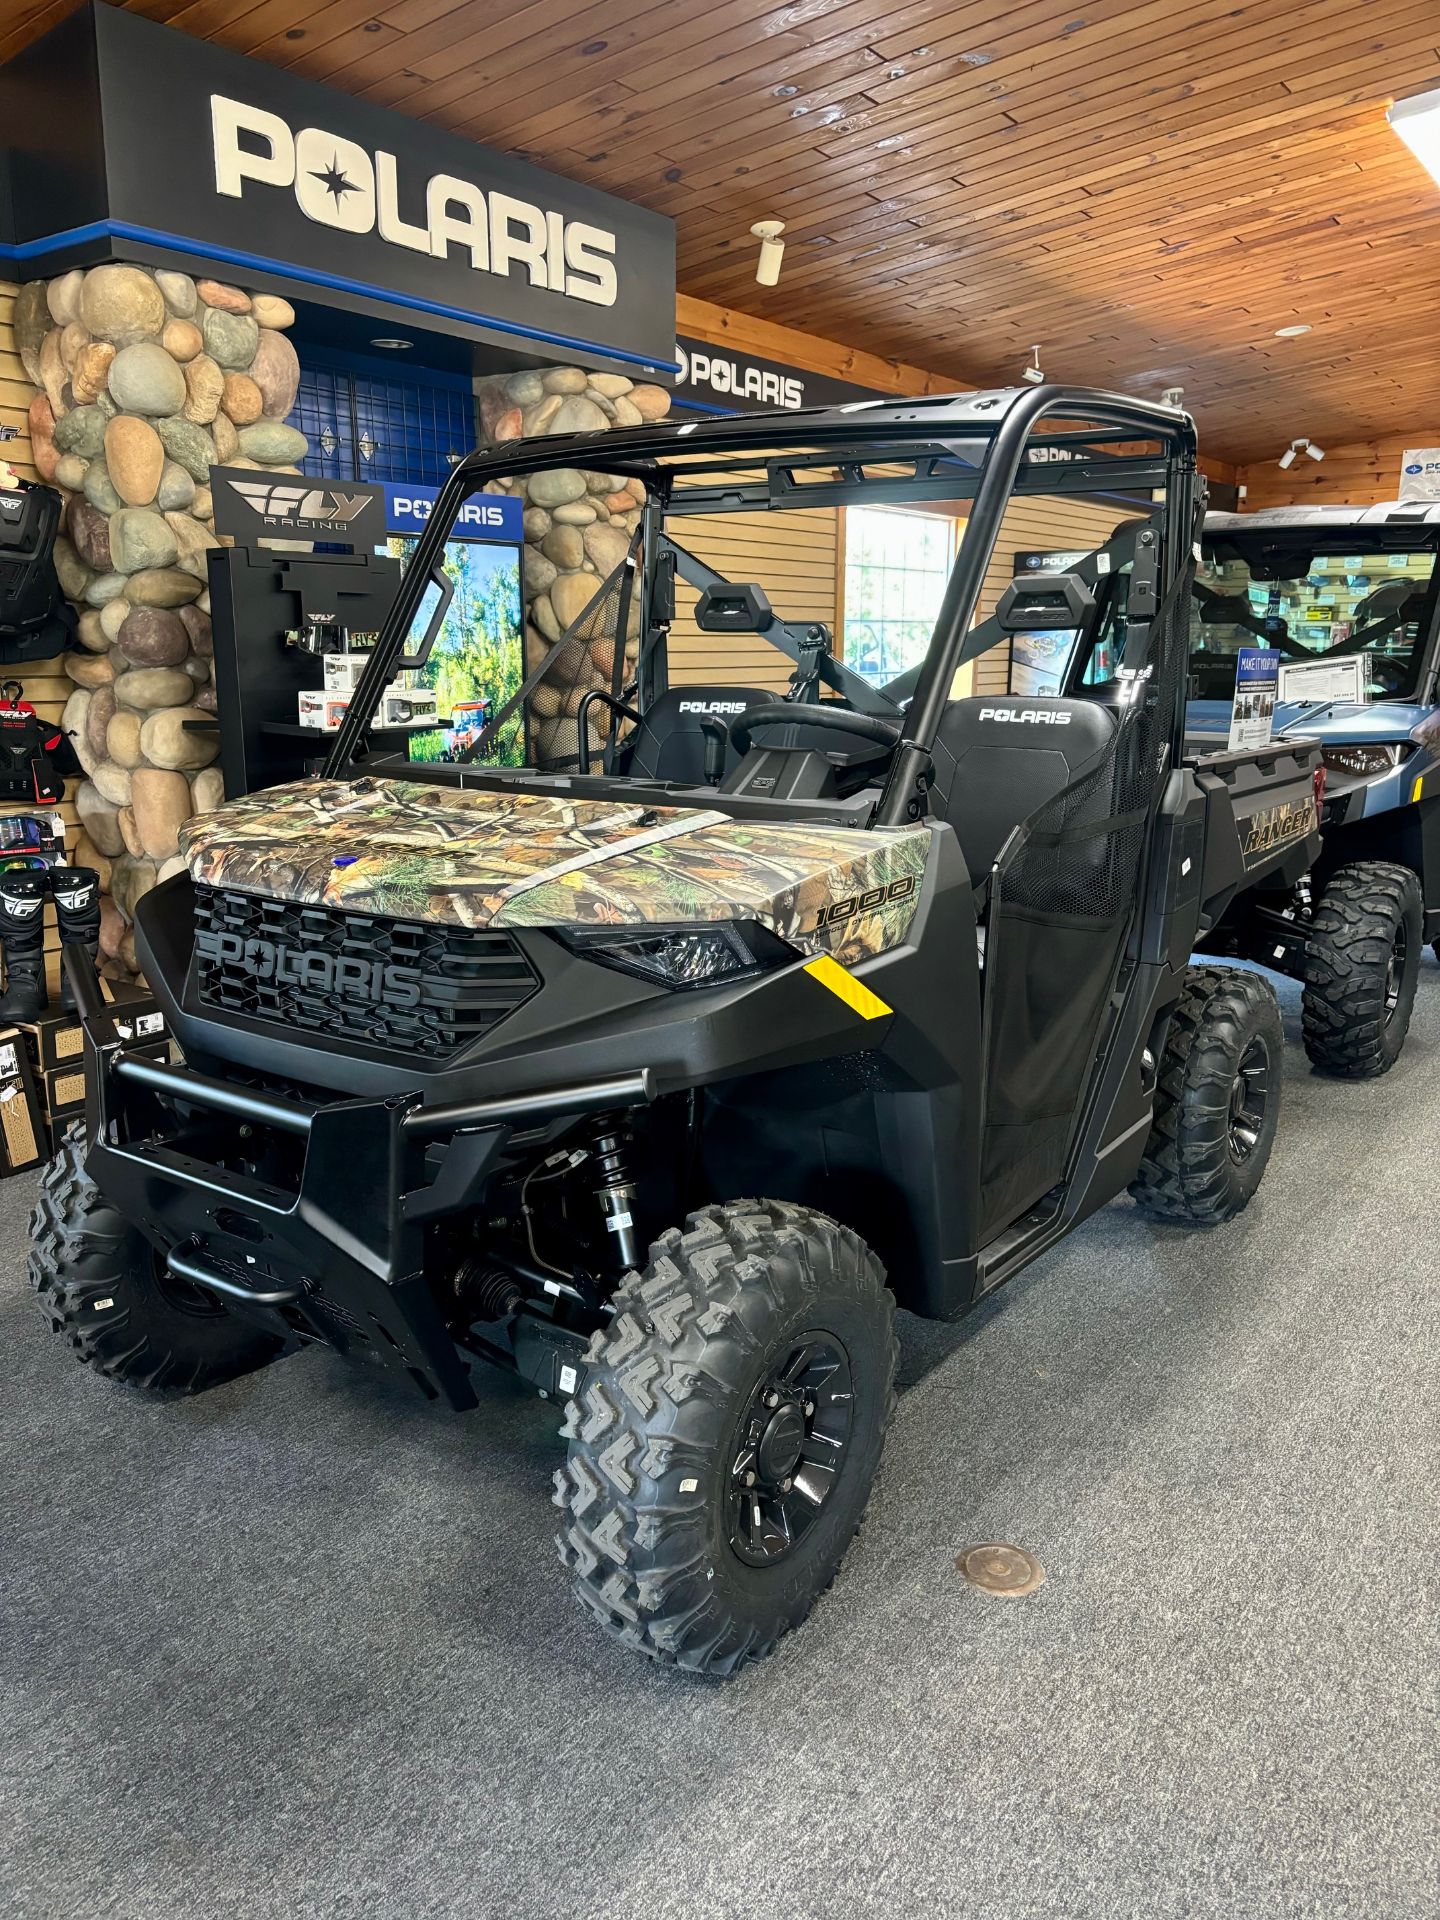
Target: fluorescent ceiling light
{"x": 1417, "y": 121}
{"x": 1291, "y": 333}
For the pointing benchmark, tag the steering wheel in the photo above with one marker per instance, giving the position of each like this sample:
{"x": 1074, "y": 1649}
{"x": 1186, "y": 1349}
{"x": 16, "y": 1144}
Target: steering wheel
{"x": 790, "y": 713}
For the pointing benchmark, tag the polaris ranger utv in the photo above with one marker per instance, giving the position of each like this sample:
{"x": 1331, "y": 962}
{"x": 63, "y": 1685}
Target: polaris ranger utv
{"x": 1356, "y": 588}
{"x": 483, "y": 1062}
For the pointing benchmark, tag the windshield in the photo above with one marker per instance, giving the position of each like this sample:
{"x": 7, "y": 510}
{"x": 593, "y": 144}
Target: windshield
{"x": 570, "y": 620}
{"x": 1328, "y": 607}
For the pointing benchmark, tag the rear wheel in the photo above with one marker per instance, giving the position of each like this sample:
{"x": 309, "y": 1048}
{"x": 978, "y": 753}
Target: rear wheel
{"x": 722, "y": 1451}
{"x": 103, "y": 1287}
{"x": 1217, "y": 1100}
{"x": 1362, "y": 964}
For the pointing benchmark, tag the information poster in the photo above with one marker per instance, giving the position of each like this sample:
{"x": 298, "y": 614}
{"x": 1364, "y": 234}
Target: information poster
{"x": 1310, "y": 681}
{"x": 1257, "y": 678}
{"x": 1420, "y": 473}
{"x": 1038, "y": 661}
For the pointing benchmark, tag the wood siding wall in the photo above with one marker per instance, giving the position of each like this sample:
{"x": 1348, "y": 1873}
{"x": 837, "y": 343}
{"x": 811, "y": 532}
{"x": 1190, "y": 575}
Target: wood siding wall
{"x": 1040, "y": 522}
{"x": 795, "y": 557}
{"x": 1360, "y": 474}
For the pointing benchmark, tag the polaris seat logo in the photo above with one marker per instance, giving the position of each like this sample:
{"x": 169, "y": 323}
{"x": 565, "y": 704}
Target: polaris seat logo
{"x": 374, "y": 981}
{"x": 1025, "y": 716}
{"x": 712, "y": 706}
{"x": 338, "y": 183}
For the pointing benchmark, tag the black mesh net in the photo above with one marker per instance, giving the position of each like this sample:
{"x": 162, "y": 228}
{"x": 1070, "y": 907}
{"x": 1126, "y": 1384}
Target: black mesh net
{"x": 1058, "y": 922}
{"x": 1083, "y": 849}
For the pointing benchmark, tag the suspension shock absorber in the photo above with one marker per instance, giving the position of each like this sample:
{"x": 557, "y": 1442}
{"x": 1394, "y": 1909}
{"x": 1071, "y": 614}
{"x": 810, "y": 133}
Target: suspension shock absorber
{"x": 616, "y": 1191}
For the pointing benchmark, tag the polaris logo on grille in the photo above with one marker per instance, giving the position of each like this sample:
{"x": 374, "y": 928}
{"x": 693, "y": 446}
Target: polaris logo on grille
{"x": 315, "y": 972}
{"x": 1025, "y": 716}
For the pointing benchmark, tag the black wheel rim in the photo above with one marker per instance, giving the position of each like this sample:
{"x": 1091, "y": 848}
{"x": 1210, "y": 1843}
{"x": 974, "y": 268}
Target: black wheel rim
{"x": 1249, "y": 1100}
{"x": 1395, "y": 973}
{"x": 791, "y": 1449}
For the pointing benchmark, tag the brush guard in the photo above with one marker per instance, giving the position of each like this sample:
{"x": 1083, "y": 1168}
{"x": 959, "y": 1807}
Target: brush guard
{"x": 337, "y": 1252}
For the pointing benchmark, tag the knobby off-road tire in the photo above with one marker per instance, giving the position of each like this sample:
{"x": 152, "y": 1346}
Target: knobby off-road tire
{"x": 1217, "y": 1100}
{"x": 677, "y": 1385}
{"x": 1362, "y": 965}
{"x": 103, "y": 1290}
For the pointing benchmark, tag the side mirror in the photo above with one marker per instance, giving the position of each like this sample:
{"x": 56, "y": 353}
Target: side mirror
{"x": 733, "y": 606}
{"x": 1040, "y": 602}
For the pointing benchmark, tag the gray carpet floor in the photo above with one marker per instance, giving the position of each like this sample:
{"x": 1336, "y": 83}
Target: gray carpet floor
{"x": 302, "y": 1647}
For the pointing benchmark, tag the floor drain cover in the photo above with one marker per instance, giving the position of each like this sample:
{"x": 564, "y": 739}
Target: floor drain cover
{"x": 997, "y": 1568}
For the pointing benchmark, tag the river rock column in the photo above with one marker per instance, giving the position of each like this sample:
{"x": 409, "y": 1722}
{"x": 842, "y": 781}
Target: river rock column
{"x": 578, "y": 525}
{"x": 145, "y": 378}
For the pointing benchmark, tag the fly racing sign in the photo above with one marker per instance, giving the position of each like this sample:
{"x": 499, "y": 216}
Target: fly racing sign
{"x": 203, "y": 158}
{"x": 251, "y": 507}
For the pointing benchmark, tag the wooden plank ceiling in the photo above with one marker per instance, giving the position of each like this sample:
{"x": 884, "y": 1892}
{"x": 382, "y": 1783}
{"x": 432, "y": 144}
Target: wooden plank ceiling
{"x": 1148, "y": 188}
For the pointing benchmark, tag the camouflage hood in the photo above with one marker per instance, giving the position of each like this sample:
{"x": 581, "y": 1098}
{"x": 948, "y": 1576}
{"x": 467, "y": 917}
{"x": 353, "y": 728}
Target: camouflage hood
{"x": 468, "y": 858}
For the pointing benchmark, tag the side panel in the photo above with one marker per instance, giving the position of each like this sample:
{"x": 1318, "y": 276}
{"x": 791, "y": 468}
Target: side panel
{"x": 887, "y": 1140}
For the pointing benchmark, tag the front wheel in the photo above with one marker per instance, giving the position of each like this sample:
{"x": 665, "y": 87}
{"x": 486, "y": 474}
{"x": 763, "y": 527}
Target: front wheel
{"x": 1217, "y": 1100}
{"x": 723, "y": 1447}
{"x": 1362, "y": 965}
{"x": 106, "y": 1291}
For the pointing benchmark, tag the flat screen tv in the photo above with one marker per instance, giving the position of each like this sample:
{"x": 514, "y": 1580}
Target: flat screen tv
{"x": 477, "y": 662}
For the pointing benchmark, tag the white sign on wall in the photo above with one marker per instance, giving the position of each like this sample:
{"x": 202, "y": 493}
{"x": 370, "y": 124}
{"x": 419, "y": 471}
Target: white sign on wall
{"x": 1420, "y": 473}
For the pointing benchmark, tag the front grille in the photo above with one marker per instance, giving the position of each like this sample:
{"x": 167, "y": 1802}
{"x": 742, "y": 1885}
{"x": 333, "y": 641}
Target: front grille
{"x": 401, "y": 985}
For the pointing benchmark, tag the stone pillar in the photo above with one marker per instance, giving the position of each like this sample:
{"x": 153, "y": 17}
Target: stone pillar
{"x": 145, "y": 378}
{"x": 578, "y": 524}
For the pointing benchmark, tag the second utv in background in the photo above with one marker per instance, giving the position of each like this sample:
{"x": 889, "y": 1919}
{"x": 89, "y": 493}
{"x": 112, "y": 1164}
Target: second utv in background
{"x": 1339, "y": 584}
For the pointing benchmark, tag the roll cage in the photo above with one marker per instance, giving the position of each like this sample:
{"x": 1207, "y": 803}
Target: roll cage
{"x": 984, "y": 448}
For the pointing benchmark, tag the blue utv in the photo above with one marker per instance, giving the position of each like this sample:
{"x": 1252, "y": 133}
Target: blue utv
{"x": 1354, "y": 588}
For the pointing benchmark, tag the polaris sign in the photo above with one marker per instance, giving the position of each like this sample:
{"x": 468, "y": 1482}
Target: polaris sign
{"x": 339, "y": 183}
{"x": 198, "y": 158}
{"x": 484, "y": 516}
{"x": 1420, "y": 473}
{"x": 719, "y": 380}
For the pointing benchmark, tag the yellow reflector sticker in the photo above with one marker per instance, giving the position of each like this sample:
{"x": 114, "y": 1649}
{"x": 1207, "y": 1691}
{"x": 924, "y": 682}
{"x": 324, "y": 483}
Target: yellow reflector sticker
{"x": 853, "y": 992}
{"x": 1419, "y": 783}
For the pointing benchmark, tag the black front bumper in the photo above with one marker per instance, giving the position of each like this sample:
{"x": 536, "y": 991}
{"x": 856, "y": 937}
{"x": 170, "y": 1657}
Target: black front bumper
{"x": 334, "y": 1250}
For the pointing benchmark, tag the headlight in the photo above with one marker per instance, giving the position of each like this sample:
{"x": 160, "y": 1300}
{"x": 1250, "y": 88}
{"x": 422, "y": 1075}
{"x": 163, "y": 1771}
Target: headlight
{"x": 683, "y": 957}
{"x": 1363, "y": 761}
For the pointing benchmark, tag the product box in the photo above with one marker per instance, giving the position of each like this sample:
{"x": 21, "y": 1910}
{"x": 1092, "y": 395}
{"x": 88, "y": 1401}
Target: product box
{"x": 407, "y": 706}
{"x": 62, "y": 1095}
{"x": 343, "y": 671}
{"x": 23, "y": 1141}
{"x": 57, "y": 1040}
{"x": 321, "y": 710}
{"x": 136, "y": 1017}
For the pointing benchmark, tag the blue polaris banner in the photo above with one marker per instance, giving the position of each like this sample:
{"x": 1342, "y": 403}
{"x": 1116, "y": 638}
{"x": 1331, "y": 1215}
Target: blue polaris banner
{"x": 490, "y": 516}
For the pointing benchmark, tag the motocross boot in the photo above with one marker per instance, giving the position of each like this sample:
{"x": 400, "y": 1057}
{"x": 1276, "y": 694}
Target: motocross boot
{"x": 22, "y": 938}
{"x": 76, "y": 892}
